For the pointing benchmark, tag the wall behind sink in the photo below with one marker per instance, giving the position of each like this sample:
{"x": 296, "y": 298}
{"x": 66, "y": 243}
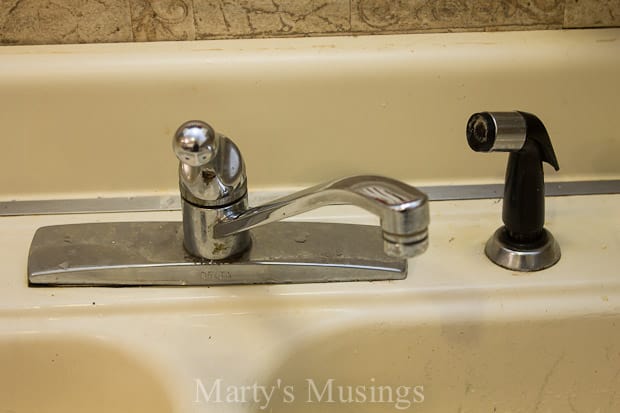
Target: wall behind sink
{"x": 90, "y": 21}
{"x": 95, "y": 119}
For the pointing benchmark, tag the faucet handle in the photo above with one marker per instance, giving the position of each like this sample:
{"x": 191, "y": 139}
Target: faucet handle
{"x": 195, "y": 143}
{"x": 211, "y": 172}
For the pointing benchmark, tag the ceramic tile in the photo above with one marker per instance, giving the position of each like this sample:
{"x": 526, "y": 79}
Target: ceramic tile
{"x": 447, "y": 15}
{"x": 238, "y": 18}
{"x": 95, "y": 21}
{"x": 64, "y": 21}
{"x": 590, "y": 13}
{"x": 155, "y": 20}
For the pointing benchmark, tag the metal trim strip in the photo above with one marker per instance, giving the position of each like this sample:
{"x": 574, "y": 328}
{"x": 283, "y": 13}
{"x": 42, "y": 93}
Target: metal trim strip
{"x": 172, "y": 203}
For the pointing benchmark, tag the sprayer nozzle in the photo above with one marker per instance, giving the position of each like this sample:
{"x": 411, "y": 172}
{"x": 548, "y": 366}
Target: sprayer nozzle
{"x": 496, "y": 131}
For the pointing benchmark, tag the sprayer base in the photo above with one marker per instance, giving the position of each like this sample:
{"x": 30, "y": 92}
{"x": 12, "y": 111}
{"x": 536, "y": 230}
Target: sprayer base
{"x": 525, "y": 258}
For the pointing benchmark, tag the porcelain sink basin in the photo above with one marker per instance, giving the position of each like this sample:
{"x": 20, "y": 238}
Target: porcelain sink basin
{"x": 569, "y": 365}
{"x": 55, "y": 373}
{"x": 458, "y": 335}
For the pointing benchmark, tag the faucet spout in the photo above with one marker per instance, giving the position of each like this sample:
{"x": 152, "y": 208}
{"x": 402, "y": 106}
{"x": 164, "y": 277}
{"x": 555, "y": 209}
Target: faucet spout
{"x": 402, "y": 209}
{"x": 217, "y": 220}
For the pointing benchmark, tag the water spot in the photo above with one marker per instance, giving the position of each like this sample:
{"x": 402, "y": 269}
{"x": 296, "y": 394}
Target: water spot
{"x": 302, "y": 237}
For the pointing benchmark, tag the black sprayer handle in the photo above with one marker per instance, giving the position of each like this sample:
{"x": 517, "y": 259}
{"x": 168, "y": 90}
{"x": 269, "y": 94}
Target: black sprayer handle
{"x": 526, "y": 138}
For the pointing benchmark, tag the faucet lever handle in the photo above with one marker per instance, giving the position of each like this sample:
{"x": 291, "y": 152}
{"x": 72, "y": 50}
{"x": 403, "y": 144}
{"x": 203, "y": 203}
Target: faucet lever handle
{"x": 211, "y": 173}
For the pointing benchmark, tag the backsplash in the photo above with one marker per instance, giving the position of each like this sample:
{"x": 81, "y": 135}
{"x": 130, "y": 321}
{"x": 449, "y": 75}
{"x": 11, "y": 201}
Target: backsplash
{"x": 99, "y": 21}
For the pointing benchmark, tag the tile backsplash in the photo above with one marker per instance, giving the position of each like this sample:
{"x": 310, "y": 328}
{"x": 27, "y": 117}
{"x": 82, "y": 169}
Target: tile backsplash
{"x": 98, "y": 21}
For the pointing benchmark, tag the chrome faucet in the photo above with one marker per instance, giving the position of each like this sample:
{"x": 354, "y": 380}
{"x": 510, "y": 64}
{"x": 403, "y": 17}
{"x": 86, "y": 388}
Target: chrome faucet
{"x": 223, "y": 241}
{"x": 216, "y": 218}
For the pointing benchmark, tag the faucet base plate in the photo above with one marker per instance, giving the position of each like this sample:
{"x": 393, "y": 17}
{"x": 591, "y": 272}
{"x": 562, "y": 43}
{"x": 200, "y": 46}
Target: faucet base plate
{"x": 152, "y": 254}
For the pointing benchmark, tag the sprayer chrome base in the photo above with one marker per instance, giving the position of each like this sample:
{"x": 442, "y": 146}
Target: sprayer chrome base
{"x": 522, "y": 258}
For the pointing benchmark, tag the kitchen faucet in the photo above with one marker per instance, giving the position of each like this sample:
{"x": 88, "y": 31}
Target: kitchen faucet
{"x": 223, "y": 241}
{"x": 216, "y": 218}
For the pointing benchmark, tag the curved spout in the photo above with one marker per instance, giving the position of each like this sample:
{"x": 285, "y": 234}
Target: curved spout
{"x": 401, "y": 208}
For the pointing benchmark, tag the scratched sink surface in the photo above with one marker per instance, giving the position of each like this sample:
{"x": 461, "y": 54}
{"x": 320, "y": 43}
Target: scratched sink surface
{"x": 60, "y": 374}
{"x": 337, "y": 359}
{"x": 459, "y": 334}
{"x": 570, "y": 365}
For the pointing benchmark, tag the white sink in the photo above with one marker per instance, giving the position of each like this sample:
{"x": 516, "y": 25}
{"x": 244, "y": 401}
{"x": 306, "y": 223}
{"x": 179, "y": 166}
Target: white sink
{"x": 458, "y": 335}
{"x": 559, "y": 365}
{"x": 59, "y": 373}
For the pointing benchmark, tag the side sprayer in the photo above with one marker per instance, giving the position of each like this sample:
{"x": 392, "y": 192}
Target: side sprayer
{"x": 522, "y": 244}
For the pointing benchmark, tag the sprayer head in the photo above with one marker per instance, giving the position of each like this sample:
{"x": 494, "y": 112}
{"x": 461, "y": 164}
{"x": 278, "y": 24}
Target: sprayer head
{"x": 496, "y": 131}
{"x": 508, "y": 132}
